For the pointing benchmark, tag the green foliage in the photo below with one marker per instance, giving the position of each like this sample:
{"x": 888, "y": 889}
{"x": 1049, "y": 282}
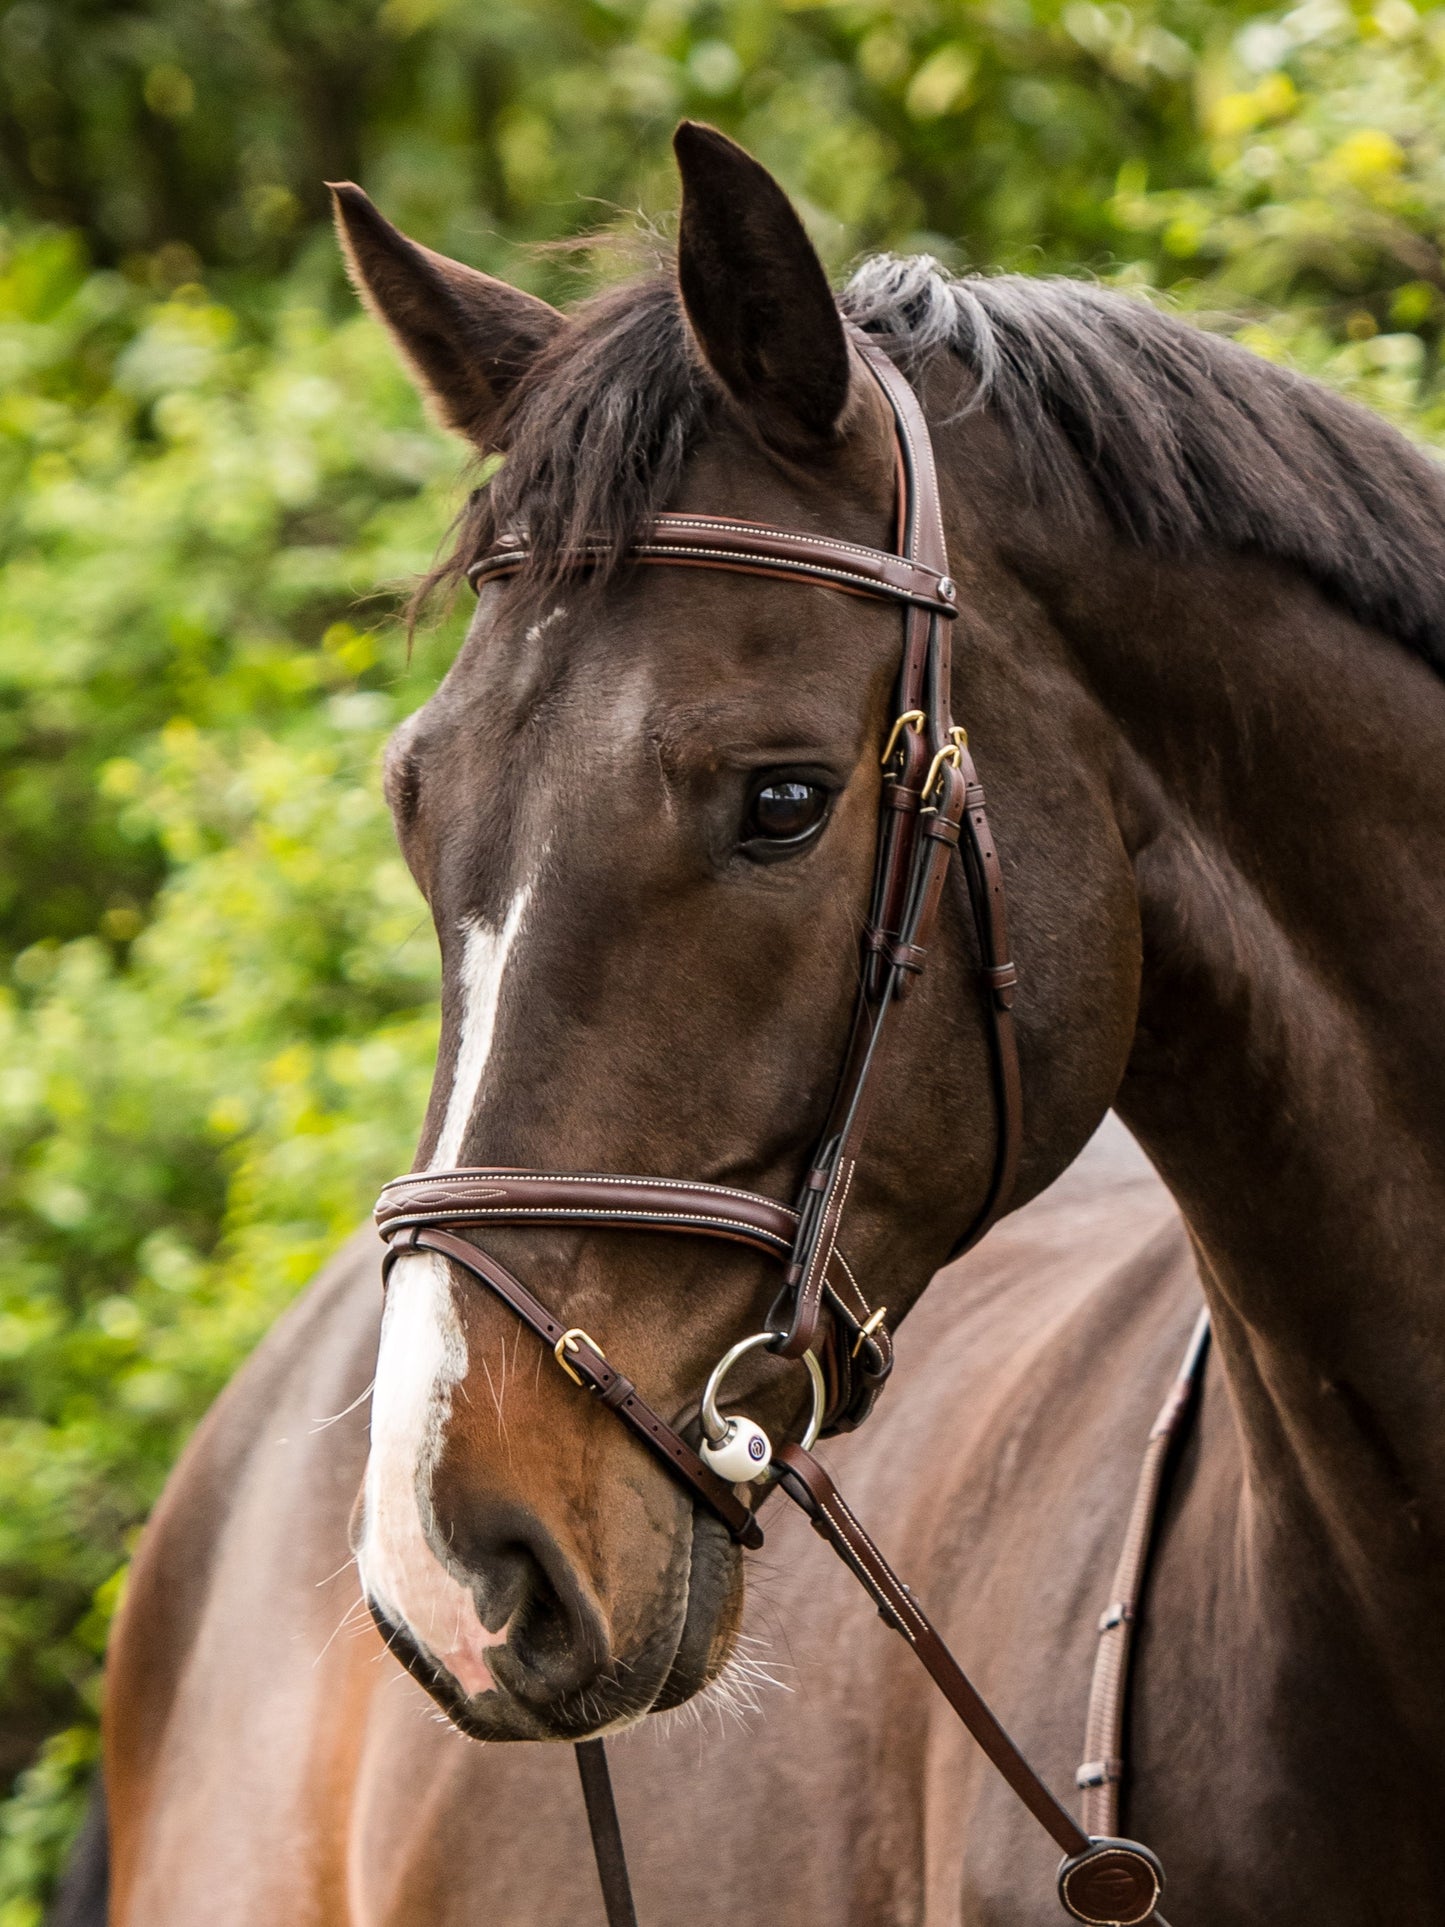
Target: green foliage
{"x": 1326, "y": 183}
{"x": 216, "y": 1034}
{"x": 216, "y": 982}
{"x": 209, "y": 125}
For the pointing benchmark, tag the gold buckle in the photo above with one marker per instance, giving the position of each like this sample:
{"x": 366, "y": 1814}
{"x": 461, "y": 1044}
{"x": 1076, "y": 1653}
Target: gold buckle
{"x": 867, "y": 1331}
{"x": 568, "y": 1343}
{"x": 950, "y": 754}
{"x": 913, "y": 719}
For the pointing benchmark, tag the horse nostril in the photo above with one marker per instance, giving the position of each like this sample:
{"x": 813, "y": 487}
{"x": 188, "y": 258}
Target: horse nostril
{"x": 550, "y": 1640}
{"x": 556, "y": 1642}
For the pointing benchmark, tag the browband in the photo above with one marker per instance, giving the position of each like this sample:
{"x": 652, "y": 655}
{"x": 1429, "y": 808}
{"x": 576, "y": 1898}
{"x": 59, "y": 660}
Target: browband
{"x": 754, "y": 548}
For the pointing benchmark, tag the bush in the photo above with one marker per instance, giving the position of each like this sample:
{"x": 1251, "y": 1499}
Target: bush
{"x": 218, "y": 1026}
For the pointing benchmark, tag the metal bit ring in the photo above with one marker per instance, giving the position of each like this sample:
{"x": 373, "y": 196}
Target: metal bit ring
{"x": 714, "y": 1425}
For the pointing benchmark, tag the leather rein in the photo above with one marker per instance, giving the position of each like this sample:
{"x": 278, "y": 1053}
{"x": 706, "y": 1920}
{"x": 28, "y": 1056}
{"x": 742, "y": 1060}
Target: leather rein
{"x": 932, "y": 806}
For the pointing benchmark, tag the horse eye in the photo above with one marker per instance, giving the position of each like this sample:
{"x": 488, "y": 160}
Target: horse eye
{"x": 785, "y": 811}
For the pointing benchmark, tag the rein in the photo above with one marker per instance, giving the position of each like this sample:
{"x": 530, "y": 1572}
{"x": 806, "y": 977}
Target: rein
{"x": 932, "y": 806}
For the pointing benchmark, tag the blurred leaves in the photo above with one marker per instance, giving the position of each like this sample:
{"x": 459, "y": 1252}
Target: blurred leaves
{"x": 1326, "y": 182}
{"x": 217, "y": 1023}
{"x": 210, "y": 125}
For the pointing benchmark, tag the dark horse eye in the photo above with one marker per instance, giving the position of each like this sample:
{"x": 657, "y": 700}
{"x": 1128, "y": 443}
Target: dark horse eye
{"x": 786, "y": 810}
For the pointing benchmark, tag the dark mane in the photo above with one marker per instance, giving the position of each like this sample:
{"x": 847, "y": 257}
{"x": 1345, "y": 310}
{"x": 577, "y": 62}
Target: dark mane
{"x": 1184, "y": 438}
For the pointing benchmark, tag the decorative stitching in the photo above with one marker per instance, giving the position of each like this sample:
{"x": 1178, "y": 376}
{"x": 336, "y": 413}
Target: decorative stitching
{"x": 666, "y": 523}
{"x": 874, "y": 585}
{"x": 880, "y": 1593}
{"x": 705, "y": 522}
{"x": 807, "y": 1294}
{"x": 577, "y": 1214}
{"x": 905, "y": 1598}
{"x": 465, "y": 1174}
{"x": 857, "y": 1292}
{"x": 877, "y": 584}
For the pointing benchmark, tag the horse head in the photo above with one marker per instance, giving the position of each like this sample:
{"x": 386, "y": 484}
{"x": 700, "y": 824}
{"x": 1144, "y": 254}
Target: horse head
{"x": 643, "y": 808}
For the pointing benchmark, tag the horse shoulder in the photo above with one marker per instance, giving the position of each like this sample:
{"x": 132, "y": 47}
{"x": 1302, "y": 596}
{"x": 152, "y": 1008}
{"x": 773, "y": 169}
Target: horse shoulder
{"x": 243, "y": 1563}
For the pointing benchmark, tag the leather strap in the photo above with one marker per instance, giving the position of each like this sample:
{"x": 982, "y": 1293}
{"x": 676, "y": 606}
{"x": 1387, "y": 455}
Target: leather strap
{"x": 1108, "y": 1882}
{"x": 809, "y": 1486}
{"x": 607, "y": 1848}
{"x": 589, "y": 1367}
{"x": 484, "y": 1194}
{"x": 1101, "y": 1775}
{"x": 756, "y": 548}
{"x": 925, "y": 797}
{"x": 1000, "y": 977}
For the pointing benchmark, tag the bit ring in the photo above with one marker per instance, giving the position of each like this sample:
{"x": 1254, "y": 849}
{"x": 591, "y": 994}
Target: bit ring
{"x": 714, "y": 1425}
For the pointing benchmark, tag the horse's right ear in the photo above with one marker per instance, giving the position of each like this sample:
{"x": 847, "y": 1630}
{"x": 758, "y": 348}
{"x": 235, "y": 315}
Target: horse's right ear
{"x": 467, "y": 338}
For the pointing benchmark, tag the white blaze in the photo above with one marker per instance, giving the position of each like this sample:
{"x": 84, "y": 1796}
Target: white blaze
{"x": 484, "y": 958}
{"x": 422, "y": 1359}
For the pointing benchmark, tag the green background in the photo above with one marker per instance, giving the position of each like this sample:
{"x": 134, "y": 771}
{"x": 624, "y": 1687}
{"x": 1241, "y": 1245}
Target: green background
{"x": 216, "y": 982}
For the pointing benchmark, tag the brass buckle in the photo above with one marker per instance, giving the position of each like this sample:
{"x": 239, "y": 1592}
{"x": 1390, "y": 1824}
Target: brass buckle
{"x": 865, "y": 1332}
{"x": 951, "y": 753}
{"x": 913, "y": 719}
{"x": 568, "y": 1343}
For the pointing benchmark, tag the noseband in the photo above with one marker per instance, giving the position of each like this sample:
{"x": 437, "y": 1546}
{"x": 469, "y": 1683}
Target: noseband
{"x": 932, "y": 806}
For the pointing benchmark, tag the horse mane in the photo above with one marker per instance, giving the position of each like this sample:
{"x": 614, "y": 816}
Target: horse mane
{"x": 1182, "y": 437}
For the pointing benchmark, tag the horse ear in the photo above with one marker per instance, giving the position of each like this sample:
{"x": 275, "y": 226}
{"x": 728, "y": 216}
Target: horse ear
{"x": 467, "y": 338}
{"x": 756, "y": 294}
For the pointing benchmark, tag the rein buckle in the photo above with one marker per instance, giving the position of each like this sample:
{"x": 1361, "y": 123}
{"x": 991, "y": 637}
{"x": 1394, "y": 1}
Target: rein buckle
{"x": 568, "y": 1343}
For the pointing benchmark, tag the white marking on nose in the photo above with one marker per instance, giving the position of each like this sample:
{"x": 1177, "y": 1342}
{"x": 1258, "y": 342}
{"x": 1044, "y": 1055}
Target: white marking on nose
{"x": 421, "y": 1361}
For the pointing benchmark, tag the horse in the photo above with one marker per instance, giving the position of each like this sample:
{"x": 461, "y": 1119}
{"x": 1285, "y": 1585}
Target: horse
{"x": 1201, "y": 642}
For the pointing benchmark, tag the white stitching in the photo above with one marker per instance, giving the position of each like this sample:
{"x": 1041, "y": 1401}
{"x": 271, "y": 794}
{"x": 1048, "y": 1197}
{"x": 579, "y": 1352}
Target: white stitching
{"x": 877, "y": 585}
{"x": 717, "y": 524}
{"x": 857, "y": 1292}
{"x": 879, "y": 1592}
{"x": 467, "y": 1174}
{"x": 807, "y": 1293}
{"x": 575, "y": 1214}
{"x": 705, "y": 522}
{"x": 905, "y": 1600}
{"x": 823, "y": 570}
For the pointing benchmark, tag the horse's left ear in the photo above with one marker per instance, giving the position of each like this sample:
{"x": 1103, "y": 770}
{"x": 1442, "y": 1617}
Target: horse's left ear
{"x": 757, "y": 296}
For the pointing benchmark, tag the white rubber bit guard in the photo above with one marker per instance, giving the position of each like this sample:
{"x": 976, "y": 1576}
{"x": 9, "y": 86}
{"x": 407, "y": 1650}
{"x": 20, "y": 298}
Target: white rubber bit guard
{"x": 742, "y": 1454}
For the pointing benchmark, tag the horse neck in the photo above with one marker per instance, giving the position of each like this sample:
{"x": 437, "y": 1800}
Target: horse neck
{"x": 1281, "y": 776}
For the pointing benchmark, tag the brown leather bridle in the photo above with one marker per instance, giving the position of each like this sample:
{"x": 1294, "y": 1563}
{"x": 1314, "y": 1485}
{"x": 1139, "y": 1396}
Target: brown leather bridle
{"x": 932, "y": 806}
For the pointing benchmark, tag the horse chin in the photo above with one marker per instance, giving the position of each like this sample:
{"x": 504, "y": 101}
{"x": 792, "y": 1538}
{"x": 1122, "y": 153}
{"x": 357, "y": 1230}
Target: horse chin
{"x": 696, "y": 1653}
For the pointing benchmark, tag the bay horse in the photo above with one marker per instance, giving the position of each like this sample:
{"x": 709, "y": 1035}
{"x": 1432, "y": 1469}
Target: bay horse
{"x": 1202, "y": 615}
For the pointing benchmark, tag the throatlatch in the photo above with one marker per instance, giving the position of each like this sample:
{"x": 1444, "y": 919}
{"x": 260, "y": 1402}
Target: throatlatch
{"x": 932, "y": 806}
